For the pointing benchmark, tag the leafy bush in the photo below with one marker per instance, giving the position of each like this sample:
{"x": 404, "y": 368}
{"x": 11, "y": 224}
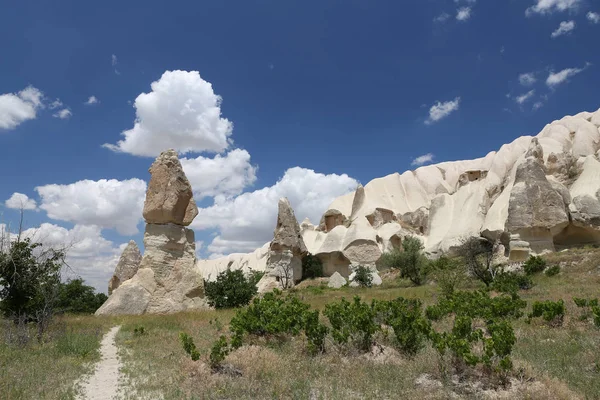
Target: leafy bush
{"x": 273, "y": 314}
{"x": 352, "y": 321}
{"x": 511, "y": 282}
{"x": 231, "y": 289}
{"x": 553, "y": 270}
{"x": 315, "y": 332}
{"x": 552, "y": 312}
{"x": 589, "y": 308}
{"x": 312, "y": 267}
{"x": 77, "y": 298}
{"x": 449, "y": 274}
{"x": 139, "y": 331}
{"x": 188, "y": 345}
{"x": 411, "y": 261}
{"x": 478, "y": 304}
{"x": 363, "y": 276}
{"x": 534, "y": 264}
{"x": 218, "y": 352}
{"x": 405, "y": 317}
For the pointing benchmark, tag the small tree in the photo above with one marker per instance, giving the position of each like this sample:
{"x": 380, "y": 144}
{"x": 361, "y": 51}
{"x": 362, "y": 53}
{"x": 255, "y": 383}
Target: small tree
{"x": 231, "y": 289}
{"x": 478, "y": 255}
{"x": 363, "y": 276}
{"x": 78, "y": 298}
{"x": 411, "y": 261}
{"x": 534, "y": 264}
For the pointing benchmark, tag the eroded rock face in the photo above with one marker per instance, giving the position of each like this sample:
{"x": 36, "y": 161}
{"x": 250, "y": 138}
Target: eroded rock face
{"x": 127, "y": 266}
{"x": 286, "y": 249}
{"x": 336, "y": 281}
{"x": 169, "y": 194}
{"x": 167, "y": 280}
{"x": 536, "y": 210}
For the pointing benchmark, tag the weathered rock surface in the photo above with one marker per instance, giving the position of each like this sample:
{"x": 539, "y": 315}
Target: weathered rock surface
{"x": 128, "y": 265}
{"x": 167, "y": 280}
{"x": 336, "y": 281}
{"x": 169, "y": 194}
{"x": 545, "y": 189}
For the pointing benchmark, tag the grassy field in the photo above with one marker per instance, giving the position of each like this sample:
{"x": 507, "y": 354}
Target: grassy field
{"x": 553, "y": 363}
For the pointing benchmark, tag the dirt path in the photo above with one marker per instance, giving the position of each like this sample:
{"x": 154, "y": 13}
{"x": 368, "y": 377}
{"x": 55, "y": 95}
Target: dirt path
{"x": 103, "y": 384}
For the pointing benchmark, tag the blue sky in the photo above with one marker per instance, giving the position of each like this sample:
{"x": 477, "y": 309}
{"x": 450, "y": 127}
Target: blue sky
{"x": 307, "y": 99}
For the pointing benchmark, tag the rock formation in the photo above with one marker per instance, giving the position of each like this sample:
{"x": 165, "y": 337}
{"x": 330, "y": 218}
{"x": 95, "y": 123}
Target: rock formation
{"x": 336, "y": 281}
{"x": 535, "y": 194}
{"x": 128, "y": 265}
{"x": 284, "y": 262}
{"x": 167, "y": 280}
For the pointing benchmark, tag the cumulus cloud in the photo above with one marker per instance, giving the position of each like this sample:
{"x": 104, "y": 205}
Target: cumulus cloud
{"x": 527, "y": 79}
{"x": 20, "y": 201}
{"x": 104, "y": 203}
{"x": 92, "y": 100}
{"x": 225, "y": 175}
{"x": 556, "y": 78}
{"x": 463, "y": 13}
{"x": 593, "y": 17}
{"x": 55, "y": 104}
{"x": 181, "y": 112}
{"x": 424, "y": 159}
{"x": 246, "y": 222}
{"x": 551, "y": 6}
{"x": 524, "y": 97}
{"x": 16, "y": 108}
{"x": 89, "y": 254}
{"x": 564, "y": 28}
{"x": 65, "y": 113}
{"x": 441, "y": 110}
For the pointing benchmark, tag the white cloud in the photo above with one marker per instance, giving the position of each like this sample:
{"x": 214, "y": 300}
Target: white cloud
{"x": 65, "y": 113}
{"x": 463, "y": 13}
{"x": 527, "y": 79}
{"x": 550, "y": 6}
{"x": 114, "y": 60}
{"x": 556, "y": 78}
{"x": 441, "y": 110}
{"x": 537, "y": 105}
{"x": 425, "y": 158}
{"x": 89, "y": 254}
{"x": 524, "y": 97}
{"x": 20, "y": 201}
{"x": 105, "y": 203}
{"x": 20, "y": 107}
{"x": 92, "y": 100}
{"x": 227, "y": 175}
{"x": 55, "y": 104}
{"x": 181, "y": 112}
{"x": 564, "y": 28}
{"x": 442, "y": 17}
{"x": 246, "y": 222}
{"x": 593, "y": 17}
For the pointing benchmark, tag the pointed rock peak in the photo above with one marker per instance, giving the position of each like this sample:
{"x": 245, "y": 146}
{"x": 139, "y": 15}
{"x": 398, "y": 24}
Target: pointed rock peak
{"x": 169, "y": 194}
{"x": 359, "y": 200}
{"x": 128, "y": 265}
{"x": 307, "y": 225}
{"x": 287, "y": 232}
{"x": 535, "y": 150}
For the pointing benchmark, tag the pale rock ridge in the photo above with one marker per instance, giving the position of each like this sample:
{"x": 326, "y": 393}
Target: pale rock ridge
{"x": 167, "y": 280}
{"x": 128, "y": 265}
{"x": 534, "y": 194}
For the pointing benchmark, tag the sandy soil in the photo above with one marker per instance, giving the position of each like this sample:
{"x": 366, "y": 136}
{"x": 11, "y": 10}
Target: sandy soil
{"x": 104, "y": 382}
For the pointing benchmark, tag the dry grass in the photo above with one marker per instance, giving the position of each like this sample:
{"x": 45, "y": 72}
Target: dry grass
{"x": 552, "y": 363}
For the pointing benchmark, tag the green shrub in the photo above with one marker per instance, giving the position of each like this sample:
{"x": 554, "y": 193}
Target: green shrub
{"x": 218, "y": 352}
{"x": 596, "y": 315}
{"x": 478, "y": 304}
{"x": 363, "y": 276}
{"x": 405, "y": 317}
{"x": 139, "y": 331}
{"x": 511, "y": 282}
{"x": 589, "y": 309}
{"x": 231, "y": 289}
{"x": 552, "y": 312}
{"x": 315, "y": 332}
{"x": 478, "y": 255}
{"x": 312, "y": 267}
{"x": 77, "y": 298}
{"x": 534, "y": 264}
{"x": 553, "y": 270}
{"x": 273, "y": 314}
{"x": 188, "y": 345}
{"x": 411, "y": 261}
{"x": 352, "y": 322}
{"x": 449, "y": 273}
